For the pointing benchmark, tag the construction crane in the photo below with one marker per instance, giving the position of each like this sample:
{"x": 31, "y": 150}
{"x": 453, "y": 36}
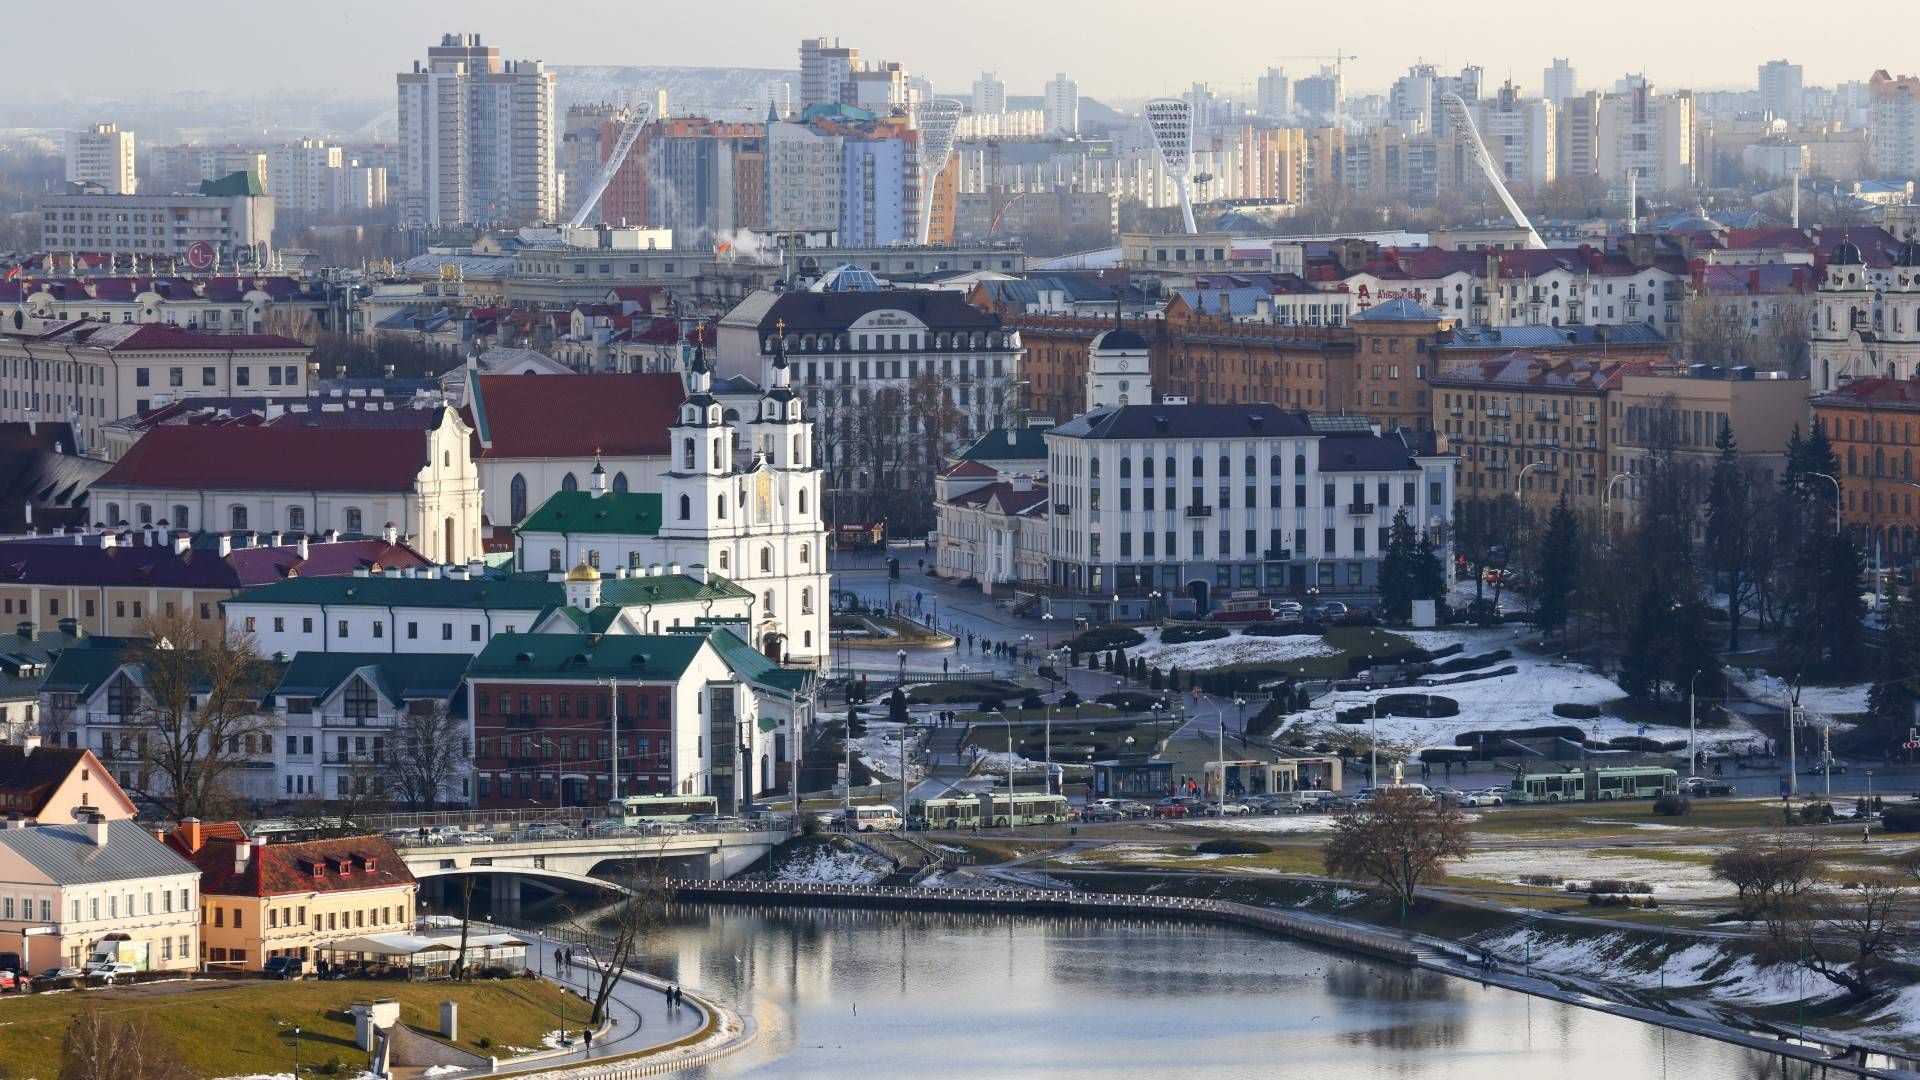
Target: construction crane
{"x": 1461, "y": 119}
{"x": 636, "y": 118}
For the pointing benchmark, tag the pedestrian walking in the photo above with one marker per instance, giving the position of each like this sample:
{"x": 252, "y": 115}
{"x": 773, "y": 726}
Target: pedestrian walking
{"x": 1865, "y": 833}
{"x": 943, "y": 665}
{"x": 559, "y": 955}
{"x": 586, "y": 1034}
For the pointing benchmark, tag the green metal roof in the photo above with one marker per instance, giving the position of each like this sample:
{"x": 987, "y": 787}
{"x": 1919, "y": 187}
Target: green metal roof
{"x": 1029, "y": 443}
{"x": 757, "y": 668}
{"x": 650, "y": 657}
{"x": 392, "y": 589}
{"x": 667, "y": 589}
{"x": 629, "y": 513}
{"x": 400, "y": 676}
{"x": 234, "y": 183}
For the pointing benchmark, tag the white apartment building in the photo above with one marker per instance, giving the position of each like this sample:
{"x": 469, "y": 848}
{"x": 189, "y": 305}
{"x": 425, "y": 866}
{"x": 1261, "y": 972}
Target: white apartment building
{"x": 1559, "y": 82}
{"x": 103, "y": 155}
{"x": 1894, "y": 109}
{"x": 989, "y": 94}
{"x": 1062, "y": 105}
{"x": 477, "y": 137}
{"x": 1650, "y": 134}
{"x": 180, "y": 168}
{"x": 1273, "y": 94}
{"x": 806, "y": 180}
{"x": 73, "y": 892}
{"x": 824, "y": 69}
{"x": 1519, "y": 133}
{"x": 312, "y": 177}
{"x": 233, "y": 219}
{"x": 1781, "y": 89}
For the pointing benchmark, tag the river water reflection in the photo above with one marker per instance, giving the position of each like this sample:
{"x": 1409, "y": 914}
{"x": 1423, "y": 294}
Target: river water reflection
{"x": 885, "y": 994}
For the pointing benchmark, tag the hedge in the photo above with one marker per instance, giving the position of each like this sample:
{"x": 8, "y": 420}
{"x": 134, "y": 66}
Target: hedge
{"x": 1577, "y": 712}
{"x": 1471, "y": 663}
{"x": 1231, "y": 846}
{"x": 1109, "y": 636}
{"x": 1279, "y": 629}
{"x": 1901, "y": 817}
{"x": 1182, "y": 633}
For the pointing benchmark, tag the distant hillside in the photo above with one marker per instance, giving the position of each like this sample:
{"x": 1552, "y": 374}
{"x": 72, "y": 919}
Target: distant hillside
{"x": 689, "y": 89}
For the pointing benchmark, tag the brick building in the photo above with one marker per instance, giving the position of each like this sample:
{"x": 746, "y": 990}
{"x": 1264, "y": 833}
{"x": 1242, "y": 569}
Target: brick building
{"x": 1875, "y": 428}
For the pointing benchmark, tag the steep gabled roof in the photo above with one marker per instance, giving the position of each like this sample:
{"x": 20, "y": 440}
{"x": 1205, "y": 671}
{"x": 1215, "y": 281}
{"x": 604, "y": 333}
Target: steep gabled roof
{"x": 65, "y": 854}
{"x": 400, "y": 676}
{"x": 29, "y": 778}
{"x": 576, "y": 512}
{"x": 274, "y": 458}
{"x": 574, "y": 416}
{"x": 344, "y": 864}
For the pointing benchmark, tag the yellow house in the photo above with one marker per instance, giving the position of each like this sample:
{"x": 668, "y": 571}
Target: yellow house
{"x": 261, "y": 900}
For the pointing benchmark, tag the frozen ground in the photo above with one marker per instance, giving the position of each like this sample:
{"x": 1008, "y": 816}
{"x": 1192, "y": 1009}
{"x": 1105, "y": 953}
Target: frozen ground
{"x": 836, "y": 865}
{"x": 1671, "y": 880}
{"x": 1820, "y": 702}
{"x": 1729, "y": 976}
{"x": 1256, "y": 823}
{"x": 880, "y": 746}
{"x": 1236, "y": 648}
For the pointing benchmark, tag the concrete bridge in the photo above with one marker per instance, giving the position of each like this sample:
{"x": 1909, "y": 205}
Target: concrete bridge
{"x": 519, "y": 865}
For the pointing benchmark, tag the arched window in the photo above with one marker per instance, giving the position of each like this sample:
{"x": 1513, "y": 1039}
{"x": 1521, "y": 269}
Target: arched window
{"x": 766, "y": 600}
{"x": 143, "y": 513}
{"x": 620, "y": 483}
{"x": 593, "y": 558}
{"x": 352, "y": 519}
{"x": 1126, "y": 468}
{"x": 1170, "y": 472}
{"x": 1199, "y": 467}
{"x": 1226, "y": 467}
{"x": 1146, "y": 468}
{"x": 1093, "y": 468}
{"x": 1299, "y": 464}
{"x": 723, "y": 559}
{"x": 297, "y": 519}
{"x": 236, "y": 517}
{"x": 806, "y": 601}
{"x": 1273, "y": 466}
{"x": 1251, "y": 471}
{"x": 686, "y": 454}
{"x": 517, "y": 498}
{"x": 568, "y": 483}
{"x": 799, "y": 452}
{"x": 720, "y": 506}
{"x": 686, "y": 508}
{"x": 113, "y": 514}
{"x": 803, "y": 502}
{"x": 179, "y": 518}
{"x": 806, "y": 553}
{"x": 766, "y": 560}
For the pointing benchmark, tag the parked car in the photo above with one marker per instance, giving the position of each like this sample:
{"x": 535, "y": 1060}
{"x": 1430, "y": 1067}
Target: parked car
{"x": 1313, "y": 798}
{"x": 1227, "y": 809}
{"x": 11, "y": 981}
{"x": 109, "y": 969}
{"x": 1132, "y": 809}
{"x": 1338, "y": 804}
{"x": 547, "y": 830}
{"x": 1492, "y": 796}
{"x": 283, "y": 967}
{"x": 1098, "y": 812}
{"x": 61, "y": 973}
{"x": 1329, "y": 611}
{"x": 1475, "y": 798}
{"x": 470, "y": 838}
{"x": 1170, "y": 807}
{"x": 1272, "y": 804}
{"x": 1700, "y": 786}
{"x": 1453, "y": 793}
{"x": 1821, "y": 767}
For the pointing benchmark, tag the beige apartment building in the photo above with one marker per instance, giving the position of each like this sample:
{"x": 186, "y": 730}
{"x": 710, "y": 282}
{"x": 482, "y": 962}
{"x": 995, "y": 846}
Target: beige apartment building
{"x": 93, "y": 373}
{"x": 262, "y": 900}
{"x": 82, "y": 891}
{"x": 1685, "y": 410}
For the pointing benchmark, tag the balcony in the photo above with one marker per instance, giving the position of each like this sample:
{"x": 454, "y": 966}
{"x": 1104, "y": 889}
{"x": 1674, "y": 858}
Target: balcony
{"x": 354, "y": 757}
{"x": 1497, "y": 466}
{"x": 1281, "y": 555}
{"x": 1544, "y": 468}
{"x": 1589, "y": 418}
{"x": 1060, "y": 508}
{"x": 1500, "y": 414}
{"x": 1360, "y": 508}
{"x": 1456, "y": 410}
{"x": 1588, "y": 472}
{"x": 1499, "y": 439}
{"x": 1551, "y": 442}
{"x": 1546, "y": 417}
{"x": 1199, "y": 511}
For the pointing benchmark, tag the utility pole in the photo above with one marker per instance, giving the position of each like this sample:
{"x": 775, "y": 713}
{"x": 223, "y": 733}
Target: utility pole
{"x": 613, "y": 714}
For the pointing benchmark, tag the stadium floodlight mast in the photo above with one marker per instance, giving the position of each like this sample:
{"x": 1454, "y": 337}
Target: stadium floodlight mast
{"x": 937, "y": 120}
{"x": 1461, "y": 119}
{"x": 1171, "y": 120}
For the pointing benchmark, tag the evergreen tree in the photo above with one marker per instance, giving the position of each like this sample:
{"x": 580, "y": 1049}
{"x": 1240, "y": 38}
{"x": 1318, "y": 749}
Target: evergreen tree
{"x": 897, "y": 707}
{"x": 1399, "y": 576}
{"x": 1121, "y": 666}
{"x": 1730, "y": 529}
{"x": 1896, "y": 683}
{"x": 1109, "y": 663}
{"x": 1640, "y": 659}
{"x": 1559, "y": 570}
{"x": 1430, "y": 571}
{"x": 1173, "y": 678}
{"x": 1153, "y": 678}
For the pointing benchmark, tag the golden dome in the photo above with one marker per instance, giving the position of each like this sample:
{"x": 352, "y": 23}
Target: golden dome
{"x": 583, "y": 572}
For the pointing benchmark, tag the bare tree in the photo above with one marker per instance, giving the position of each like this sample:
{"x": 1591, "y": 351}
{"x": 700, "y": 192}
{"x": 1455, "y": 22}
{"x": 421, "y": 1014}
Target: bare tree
{"x": 1769, "y": 872}
{"x": 430, "y": 754}
{"x": 1399, "y": 841}
{"x": 618, "y": 932}
{"x": 1845, "y": 936}
{"x": 98, "y": 1046}
{"x": 197, "y": 714}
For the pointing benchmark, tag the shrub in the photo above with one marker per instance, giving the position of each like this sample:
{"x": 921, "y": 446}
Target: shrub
{"x": 1615, "y": 885}
{"x": 1069, "y": 699}
{"x": 1815, "y": 813}
{"x": 1032, "y": 700}
{"x": 485, "y": 1043}
{"x": 1672, "y": 806}
{"x": 1617, "y": 900}
{"x": 1101, "y": 638}
{"x": 1274, "y": 629}
{"x": 1577, "y": 712}
{"x": 1901, "y": 817}
{"x": 1129, "y": 700}
{"x": 1233, "y": 846}
{"x": 1542, "y": 880}
{"x": 1180, "y": 635}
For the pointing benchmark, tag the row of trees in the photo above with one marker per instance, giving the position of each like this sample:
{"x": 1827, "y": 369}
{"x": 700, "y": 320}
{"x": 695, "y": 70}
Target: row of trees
{"x": 195, "y": 720}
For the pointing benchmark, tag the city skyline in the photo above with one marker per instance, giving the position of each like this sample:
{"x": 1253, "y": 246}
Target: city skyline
{"x": 1129, "y": 51}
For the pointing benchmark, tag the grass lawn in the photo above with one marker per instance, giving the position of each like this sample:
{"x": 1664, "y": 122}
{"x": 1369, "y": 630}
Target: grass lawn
{"x": 988, "y": 850}
{"x": 235, "y": 1029}
{"x": 1619, "y": 818}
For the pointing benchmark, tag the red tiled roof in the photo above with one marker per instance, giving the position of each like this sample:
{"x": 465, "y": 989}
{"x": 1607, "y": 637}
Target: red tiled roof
{"x": 277, "y": 458}
{"x": 338, "y": 865}
{"x": 971, "y": 468}
{"x": 1002, "y": 495}
{"x": 161, "y": 337}
{"x": 1877, "y": 392}
{"x": 531, "y": 416}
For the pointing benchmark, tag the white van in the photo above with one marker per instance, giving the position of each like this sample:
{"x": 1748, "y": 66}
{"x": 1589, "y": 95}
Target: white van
{"x": 872, "y": 817}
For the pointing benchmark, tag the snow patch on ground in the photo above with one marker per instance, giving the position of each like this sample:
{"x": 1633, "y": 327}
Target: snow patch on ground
{"x": 1235, "y": 649}
{"x": 1820, "y": 702}
{"x": 442, "y": 1070}
{"x": 1731, "y": 976}
{"x": 821, "y": 863}
{"x": 1670, "y": 880}
{"x": 880, "y": 747}
{"x": 1261, "y": 823}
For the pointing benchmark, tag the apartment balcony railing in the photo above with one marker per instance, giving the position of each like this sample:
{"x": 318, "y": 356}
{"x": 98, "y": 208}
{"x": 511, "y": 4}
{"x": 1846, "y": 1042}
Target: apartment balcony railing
{"x": 1199, "y": 511}
{"x": 1360, "y": 508}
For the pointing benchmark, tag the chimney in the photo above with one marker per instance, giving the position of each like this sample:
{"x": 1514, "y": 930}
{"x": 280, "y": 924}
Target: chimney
{"x": 182, "y": 540}
{"x": 1022, "y": 483}
{"x": 224, "y": 542}
{"x": 108, "y": 538}
{"x": 97, "y": 830}
{"x": 674, "y": 569}
{"x": 476, "y": 568}
{"x": 330, "y": 536}
{"x": 24, "y": 630}
{"x": 28, "y": 745}
{"x": 301, "y": 546}
{"x": 70, "y": 627}
{"x": 273, "y": 538}
{"x": 189, "y": 831}
{"x": 242, "y": 855}
{"x": 391, "y": 534}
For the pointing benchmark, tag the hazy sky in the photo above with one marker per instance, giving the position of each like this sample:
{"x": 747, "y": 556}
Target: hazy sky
{"x": 1116, "y": 48}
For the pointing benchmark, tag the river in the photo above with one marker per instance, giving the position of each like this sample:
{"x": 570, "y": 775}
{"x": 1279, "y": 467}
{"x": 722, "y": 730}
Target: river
{"x": 886, "y": 994}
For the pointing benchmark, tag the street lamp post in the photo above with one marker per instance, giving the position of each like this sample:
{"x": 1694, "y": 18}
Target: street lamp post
{"x": 1008, "y": 721}
{"x": 1026, "y": 645}
{"x": 1046, "y": 624}
{"x": 902, "y": 654}
{"x": 1693, "y": 753}
{"x": 296, "y": 1053}
{"x": 1113, "y": 615}
{"x": 1836, "y": 499}
{"x": 1241, "y": 703}
{"x": 1606, "y": 499}
{"x": 1153, "y": 602}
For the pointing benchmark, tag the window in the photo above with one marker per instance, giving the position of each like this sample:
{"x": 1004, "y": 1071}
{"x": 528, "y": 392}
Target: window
{"x": 237, "y": 518}
{"x": 766, "y": 560}
{"x": 351, "y": 518}
{"x": 517, "y": 498}
{"x": 686, "y": 508}
{"x": 297, "y": 519}
{"x": 568, "y": 483}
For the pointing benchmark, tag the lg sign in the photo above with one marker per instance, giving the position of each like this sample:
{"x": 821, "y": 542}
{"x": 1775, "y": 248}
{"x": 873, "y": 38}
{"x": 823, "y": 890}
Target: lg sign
{"x": 200, "y": 255}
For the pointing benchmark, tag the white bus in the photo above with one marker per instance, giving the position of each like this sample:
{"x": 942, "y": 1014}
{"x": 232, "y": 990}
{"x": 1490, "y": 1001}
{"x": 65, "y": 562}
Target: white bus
{"x": 871, "y": 817}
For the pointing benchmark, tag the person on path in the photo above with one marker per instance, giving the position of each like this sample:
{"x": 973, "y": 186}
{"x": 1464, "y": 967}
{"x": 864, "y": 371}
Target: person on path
{"x": 1866, "y": 832}
{"x": 943, "y": 665}
{"x": 586, "y": 1035}
{"x": 559, "y": 960}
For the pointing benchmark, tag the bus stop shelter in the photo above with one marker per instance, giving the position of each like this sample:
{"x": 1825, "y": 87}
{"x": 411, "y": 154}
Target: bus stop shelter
{"x": 1132, "y": 776}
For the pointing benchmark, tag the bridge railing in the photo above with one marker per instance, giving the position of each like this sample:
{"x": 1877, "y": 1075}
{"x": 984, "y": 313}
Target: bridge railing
{"x": 547, "y": 832}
